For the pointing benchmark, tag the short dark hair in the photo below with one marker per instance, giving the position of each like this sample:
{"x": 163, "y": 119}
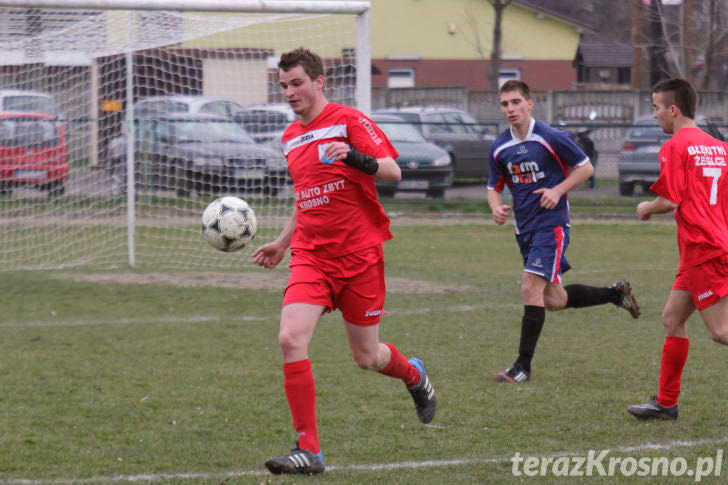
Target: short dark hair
{"x": 516, "y": 85}
{"x": 680, "y": 93}
{"x": 310, "y": 61}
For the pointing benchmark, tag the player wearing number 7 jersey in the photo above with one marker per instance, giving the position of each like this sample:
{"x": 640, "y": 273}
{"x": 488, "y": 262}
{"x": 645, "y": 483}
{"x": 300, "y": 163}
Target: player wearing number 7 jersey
{"x": 693, "y": 183}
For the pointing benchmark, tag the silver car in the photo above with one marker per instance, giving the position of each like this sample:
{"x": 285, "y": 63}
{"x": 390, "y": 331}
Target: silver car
{"x": 458, "y": 132}
{"x": 186, "y": 103}
{"x": 638, "y": 157}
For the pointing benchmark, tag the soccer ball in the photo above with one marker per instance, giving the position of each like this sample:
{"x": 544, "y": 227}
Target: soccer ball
{"x": 228, "y": 224}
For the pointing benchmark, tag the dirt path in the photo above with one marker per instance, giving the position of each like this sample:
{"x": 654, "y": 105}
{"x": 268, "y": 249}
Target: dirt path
{"x": 248, "y": 280}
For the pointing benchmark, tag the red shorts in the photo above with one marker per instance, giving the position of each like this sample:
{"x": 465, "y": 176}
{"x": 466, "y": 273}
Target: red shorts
{"x": 353, "y": 283}
{"x": 706, "y": 282}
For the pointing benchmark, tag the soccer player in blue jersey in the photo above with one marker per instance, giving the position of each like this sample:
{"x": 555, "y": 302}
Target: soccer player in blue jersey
{"x": 540, "y": 165}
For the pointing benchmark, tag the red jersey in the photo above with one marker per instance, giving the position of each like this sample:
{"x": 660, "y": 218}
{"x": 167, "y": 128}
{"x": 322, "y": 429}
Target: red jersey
{"x": 337, "y": 211}
{"x": 694, "y": 175}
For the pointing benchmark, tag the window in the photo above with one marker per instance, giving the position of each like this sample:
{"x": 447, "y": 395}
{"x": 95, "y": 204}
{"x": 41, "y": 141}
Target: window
{"x": 28, "y": 132}
{"x": 624, "y": 75}
{"x": 455, "y": 124}
{"x": 471, "y": 124}
{"x": 401, "y": 78}
{"x": 222, "y": 108}
{"x": 506, "y": 74}
{"x": 437, "y": 124}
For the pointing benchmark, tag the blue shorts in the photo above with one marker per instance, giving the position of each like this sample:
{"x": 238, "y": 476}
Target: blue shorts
{"x": 543, "y": 252}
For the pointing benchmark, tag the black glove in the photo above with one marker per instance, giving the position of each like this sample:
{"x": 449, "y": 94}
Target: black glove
{"x": 358, "y": 160}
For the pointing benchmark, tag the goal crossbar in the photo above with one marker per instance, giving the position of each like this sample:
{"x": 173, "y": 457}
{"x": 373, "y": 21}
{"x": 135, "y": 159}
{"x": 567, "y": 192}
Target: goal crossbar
{"x": 278, "y": 6}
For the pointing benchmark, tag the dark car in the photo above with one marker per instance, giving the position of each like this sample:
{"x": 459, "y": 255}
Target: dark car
{"x": 266, "y": 122}
{"x": 33, "y": 152}
{"x": 425, "y": 166}
{"x": 459, "y": 133}
{"x": 638, "y": 157}
{"x": 200, "y": 153}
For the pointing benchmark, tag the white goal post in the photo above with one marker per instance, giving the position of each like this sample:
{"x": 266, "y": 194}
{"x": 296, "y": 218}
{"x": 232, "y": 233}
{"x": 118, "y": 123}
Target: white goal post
{"x": 149, "y": 110}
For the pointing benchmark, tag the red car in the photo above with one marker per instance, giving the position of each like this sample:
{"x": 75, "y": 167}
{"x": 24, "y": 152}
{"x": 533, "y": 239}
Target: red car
{"x": 33, "y": 152}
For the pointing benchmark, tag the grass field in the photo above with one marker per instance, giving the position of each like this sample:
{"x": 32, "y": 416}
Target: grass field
{"x": 112, "y": 383}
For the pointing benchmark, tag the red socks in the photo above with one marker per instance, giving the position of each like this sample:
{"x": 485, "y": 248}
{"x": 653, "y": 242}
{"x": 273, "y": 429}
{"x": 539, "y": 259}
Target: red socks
{"x": 674, "y": 355}
{"x": 301, "y": 394}
{"x": 400, "y": 368}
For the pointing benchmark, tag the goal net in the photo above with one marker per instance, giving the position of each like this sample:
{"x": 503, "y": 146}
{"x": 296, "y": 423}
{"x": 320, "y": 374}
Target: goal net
{"x": 121, "y": 120}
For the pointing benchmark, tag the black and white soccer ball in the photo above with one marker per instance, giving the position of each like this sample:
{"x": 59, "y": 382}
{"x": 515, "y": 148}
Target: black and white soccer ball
{"x": 228, "y": 224}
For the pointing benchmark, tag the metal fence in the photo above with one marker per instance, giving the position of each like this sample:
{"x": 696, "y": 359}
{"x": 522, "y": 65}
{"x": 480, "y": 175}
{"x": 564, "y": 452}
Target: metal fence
{"x": 571, "y": 110}
{"x": 618, "y": 106}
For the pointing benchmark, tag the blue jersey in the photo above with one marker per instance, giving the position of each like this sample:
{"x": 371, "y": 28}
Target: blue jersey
{"x": 542, "y": 160}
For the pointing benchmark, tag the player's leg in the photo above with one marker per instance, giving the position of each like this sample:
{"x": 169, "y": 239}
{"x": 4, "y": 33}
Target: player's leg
{"x": 298, "y": 323}
{"x": 534, "y": 316}
{"x": 361, "y": 303}
{"x": 619, "y": 293}
{"x": 371, "y": 354}
{"x": 543, "y": 258}
{"x": 716, "y": 320}
{"x": 366, "y": 349}
{"x": 306, "y": 297}
{"x": 711, "y": 296}
{"x": 675, "y": 315}
{"x": 555, "y": 297}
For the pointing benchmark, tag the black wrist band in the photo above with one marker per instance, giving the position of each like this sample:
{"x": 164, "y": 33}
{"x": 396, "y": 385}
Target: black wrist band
{"x": 358, "y": 160}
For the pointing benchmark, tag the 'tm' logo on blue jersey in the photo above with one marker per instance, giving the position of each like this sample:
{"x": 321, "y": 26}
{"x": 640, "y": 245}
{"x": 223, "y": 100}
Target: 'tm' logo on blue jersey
{"x": 525, "y": 172}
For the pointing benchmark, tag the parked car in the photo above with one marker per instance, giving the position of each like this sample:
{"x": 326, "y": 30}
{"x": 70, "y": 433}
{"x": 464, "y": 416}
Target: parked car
{"x": 638, "y": 158}
{"x": 29, "y": 101}
{"x": 200, "y": 153}
{"x": 266, "y": 122}
{"x": 185, "y": 103}
{"x": 459, "y": 133}
{"x": 425, "y": 166}
{"x": 33, "y": 153}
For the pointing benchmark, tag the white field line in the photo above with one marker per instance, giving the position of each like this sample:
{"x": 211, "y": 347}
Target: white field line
{"x": 158, "y": 477}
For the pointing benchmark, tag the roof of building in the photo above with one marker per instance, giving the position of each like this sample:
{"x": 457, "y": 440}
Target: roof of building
{"x": 533, "y": 5}
{"x": 600, "y": 54}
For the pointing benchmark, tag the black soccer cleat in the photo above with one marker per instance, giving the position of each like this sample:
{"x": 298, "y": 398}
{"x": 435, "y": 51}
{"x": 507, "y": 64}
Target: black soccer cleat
{"x": 653, "y": 410}
{"x": 423, "y": 393}
{"x": 514, "y": 374}
{"x": 297, "y": 461}
{"x": 626, "y": 300}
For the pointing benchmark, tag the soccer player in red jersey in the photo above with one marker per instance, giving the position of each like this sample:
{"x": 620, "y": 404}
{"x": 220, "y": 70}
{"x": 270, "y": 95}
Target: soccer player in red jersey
{"x": 335, "y": 233}
{"x": 693, "y": 184}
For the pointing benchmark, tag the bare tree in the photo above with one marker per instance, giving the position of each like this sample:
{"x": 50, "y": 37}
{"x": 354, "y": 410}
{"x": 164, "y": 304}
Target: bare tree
{"x": 680, "y": 34}
{"x": 475, "y": 40}
{"x": 495, "y": 54}
{"x": 716, "y": 36}
{"x": 492, "y": 71}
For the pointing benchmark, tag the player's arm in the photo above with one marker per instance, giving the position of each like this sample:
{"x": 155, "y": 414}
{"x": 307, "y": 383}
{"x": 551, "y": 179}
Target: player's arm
{"x": 383, "y": 169}
{"x": 388, "y": 170}
{"x": 659, "y": 205}
{"x": 270, "y": 254}
{"x": 497, "y": 207}
{"x": 577, "y": 176}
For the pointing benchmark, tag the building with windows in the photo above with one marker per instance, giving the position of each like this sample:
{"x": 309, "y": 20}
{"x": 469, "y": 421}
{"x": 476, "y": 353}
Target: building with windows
{"x": 449, "y": 44}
